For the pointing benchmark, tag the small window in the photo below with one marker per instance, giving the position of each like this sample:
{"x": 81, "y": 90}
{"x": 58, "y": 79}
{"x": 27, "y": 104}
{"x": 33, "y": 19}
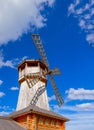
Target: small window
{"x": 58, "y": 123}
{"x": 52, "y": 123}
{"x": 47, "y": 121}
{"x": 41, "y": 121}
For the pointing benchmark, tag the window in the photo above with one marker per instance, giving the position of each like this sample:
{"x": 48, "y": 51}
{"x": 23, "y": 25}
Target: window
{"x": 47, "y": 121}
{"x": 58, "y": 123}
{"x": 52, "y": 122}
{"x": 41, "y": 121}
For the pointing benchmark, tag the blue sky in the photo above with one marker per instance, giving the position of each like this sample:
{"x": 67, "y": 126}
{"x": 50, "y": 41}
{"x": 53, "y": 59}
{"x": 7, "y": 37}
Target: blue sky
{"x": 67, "y": 31}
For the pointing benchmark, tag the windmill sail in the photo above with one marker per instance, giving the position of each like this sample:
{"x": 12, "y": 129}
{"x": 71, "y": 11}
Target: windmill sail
{"x": 38, "y": 43}
{"x": 56, "y": 91}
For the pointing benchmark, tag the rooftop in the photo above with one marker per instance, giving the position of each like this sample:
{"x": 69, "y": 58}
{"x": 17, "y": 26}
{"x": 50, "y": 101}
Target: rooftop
{"x": 32, "y": 61}
{"x": 7, "y": 123}
{"x": 39, "y": 111}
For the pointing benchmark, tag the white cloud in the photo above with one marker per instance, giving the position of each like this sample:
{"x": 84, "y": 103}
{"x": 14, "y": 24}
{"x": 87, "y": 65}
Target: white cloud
{"x": 82, "y": 24}
{"x": 1, "y": 82}
{"x": 6, "y": 110}
{"x": 2, "y": 94}
{"x": 79, "y": 115}
{"x": 84, "y": 12}
{"x": 75, "y": 108}
{"x": 80, "y": 94}
{"x": 90, "y": 38}
{"x": 4, "y": 107}
{"x": 51, "y": 98}
{"x": 25, "y": 57}
{"x": 82, "y": 121}
{"x": 14, "y": 88}
{"x": 10, "y": 63}
{"x": 4, "y": 113}
{"x": 86, "y": 106}
{"x": 20, "y": 16}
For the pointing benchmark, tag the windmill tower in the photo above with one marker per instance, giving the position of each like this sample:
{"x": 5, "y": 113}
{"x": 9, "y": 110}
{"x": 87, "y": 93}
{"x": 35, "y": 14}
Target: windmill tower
{"x": 33, "y": 80}
{"x": 32, "y": 85}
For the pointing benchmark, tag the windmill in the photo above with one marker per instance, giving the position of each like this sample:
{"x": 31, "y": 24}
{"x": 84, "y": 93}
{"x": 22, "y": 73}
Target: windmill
{"x": 38, "y": 43}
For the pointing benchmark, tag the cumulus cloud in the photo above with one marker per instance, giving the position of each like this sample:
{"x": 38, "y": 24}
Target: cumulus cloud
{"x": 6, "y": 110}
{"x": 2, "y": 94}
{"x": 4, "y": 107}
{"x": 14, "y": 88}
{"x": 80, "y": 94}
{"x": 51, "y": 98}
{"x": 4, "y": 113}
{"x": 84, "y": 12}
{"x": 20, "y": 16}
{"x": 7, "y": 63}
{"x": 78, "y": 121}
{"x": 10, "y": 63}
{"x": 1, "y": 82}
{"x": 90, "y": 38}
{"x": 85, "y": 106}
{"x": 25, "y": 57}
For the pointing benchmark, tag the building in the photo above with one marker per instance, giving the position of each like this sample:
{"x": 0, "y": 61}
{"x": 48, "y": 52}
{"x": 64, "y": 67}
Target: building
{"x": 35, "y": 118}
{"x": 33, "y": 111}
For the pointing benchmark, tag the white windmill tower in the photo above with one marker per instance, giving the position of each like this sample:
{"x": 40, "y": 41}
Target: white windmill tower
{"x": 33, "y": 80}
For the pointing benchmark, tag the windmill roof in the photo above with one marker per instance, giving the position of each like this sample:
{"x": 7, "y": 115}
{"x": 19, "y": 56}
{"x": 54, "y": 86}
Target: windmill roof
{"x": 39, "y": 111}
{"x": 31, "y": 61}
{"x": 7, "y": 123}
